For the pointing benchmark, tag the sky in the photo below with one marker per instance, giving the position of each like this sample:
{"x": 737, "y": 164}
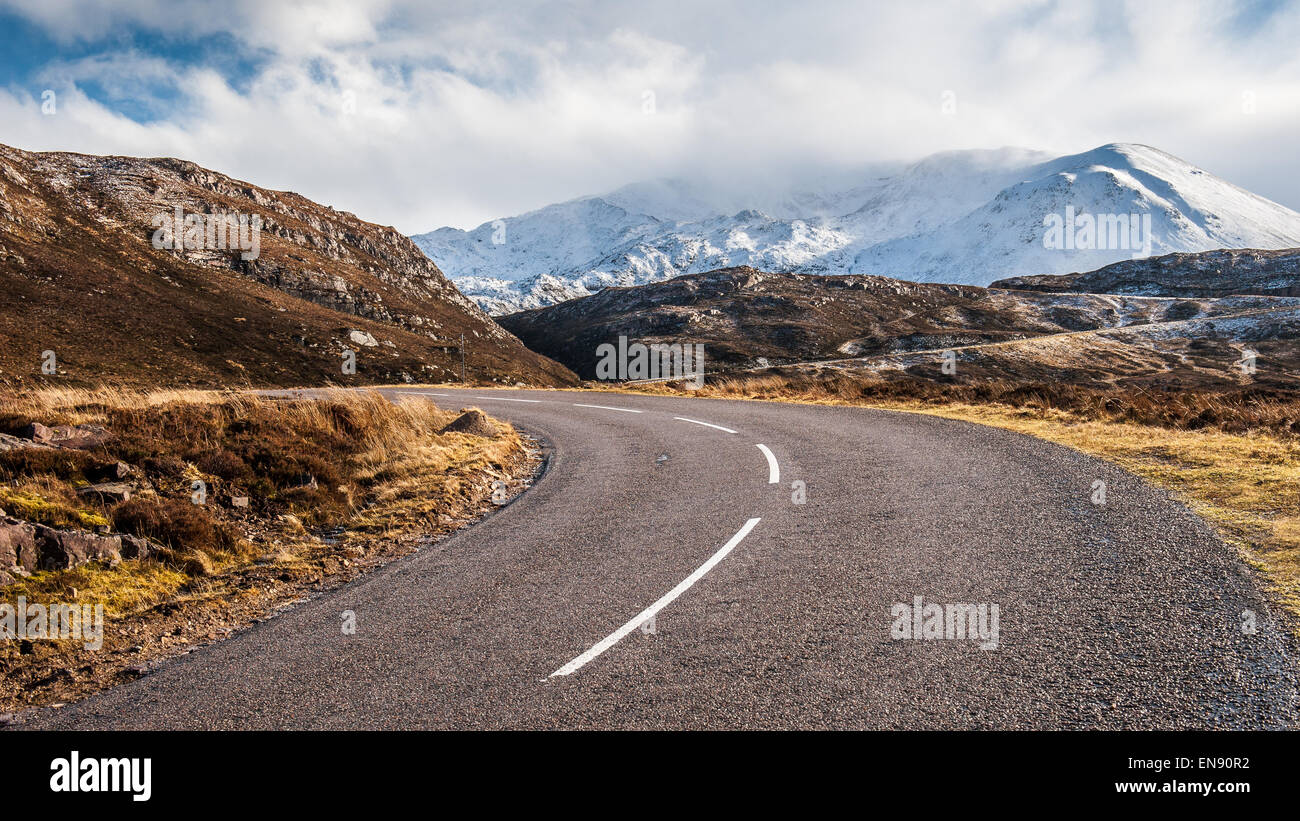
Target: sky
{"x": 424, "y": 114}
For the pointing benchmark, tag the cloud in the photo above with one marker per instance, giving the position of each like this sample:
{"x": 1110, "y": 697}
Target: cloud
{"x": 418, "y": 115}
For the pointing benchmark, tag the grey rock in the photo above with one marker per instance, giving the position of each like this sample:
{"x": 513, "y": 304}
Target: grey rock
{"x": 116, "y": 472}
{"x": 108, "y": 492}
{"x": 136, "y": 547}
{"x": 66, "y": 549}
{"x": 18, "y": 545}
{"x": 362, "y": 338}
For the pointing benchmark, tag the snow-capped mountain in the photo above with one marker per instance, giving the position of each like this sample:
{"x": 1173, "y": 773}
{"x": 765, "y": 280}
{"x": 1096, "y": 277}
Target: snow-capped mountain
{"x": 965, "y": 217}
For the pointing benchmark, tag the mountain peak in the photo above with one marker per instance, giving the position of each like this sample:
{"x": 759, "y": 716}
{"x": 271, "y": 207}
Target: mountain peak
{"x": 966, "y": 217}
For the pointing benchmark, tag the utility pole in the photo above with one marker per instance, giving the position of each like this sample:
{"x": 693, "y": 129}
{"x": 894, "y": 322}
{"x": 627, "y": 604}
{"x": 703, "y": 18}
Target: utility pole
{"x": 462, "y": 358}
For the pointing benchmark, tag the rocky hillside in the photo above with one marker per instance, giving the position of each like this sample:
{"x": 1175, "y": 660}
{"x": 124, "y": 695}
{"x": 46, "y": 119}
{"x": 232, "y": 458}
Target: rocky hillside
{"x": 1207, "y": 274}
{"x": 746, "y": 318}
{"x": 84, "y": 278}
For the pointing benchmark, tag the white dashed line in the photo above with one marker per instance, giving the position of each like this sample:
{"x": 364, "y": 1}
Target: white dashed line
{"x": 773, "y": 469}
{"x": 423, "y": 393}
{"x": 503, "y": 399}
{"x": 665, "y": 600}
{"x": 605, "y": 407}
{"x": 705, "y": 424}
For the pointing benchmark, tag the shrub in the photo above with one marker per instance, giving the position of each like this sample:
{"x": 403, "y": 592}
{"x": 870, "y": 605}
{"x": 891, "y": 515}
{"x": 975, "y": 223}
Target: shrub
{"x": 224, "y": 464}
{"x": 180, "y": 525}
{"x": 68, "y": 465}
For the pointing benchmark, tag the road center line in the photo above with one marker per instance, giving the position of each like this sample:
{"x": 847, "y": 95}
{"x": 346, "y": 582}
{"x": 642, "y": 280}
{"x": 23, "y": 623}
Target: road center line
{"x": 605, "y": 407}
{"x": 705, "y": 424}
{"x": 503, "y": 399}
{"x": 773, "y": 469}
{"x": 422, "y": 393}
{"x": 664, "y": 600}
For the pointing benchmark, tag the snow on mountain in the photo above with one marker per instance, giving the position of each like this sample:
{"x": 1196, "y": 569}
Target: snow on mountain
{"x": 961, "y": 217}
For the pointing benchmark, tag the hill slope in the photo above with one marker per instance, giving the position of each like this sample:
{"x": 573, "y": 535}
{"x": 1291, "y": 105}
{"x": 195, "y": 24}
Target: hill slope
{"x": 1207, "y": 274}
{"x": 747, "y": 318}
{"x": 82, "y": 278}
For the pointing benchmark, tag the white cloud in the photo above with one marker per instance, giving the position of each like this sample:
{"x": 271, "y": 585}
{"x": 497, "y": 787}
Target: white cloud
{"x": 487, "y": 109}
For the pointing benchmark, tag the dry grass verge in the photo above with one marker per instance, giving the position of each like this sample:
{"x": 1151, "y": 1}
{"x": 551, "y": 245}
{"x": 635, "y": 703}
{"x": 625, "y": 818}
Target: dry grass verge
{"x": 335, "y": 485}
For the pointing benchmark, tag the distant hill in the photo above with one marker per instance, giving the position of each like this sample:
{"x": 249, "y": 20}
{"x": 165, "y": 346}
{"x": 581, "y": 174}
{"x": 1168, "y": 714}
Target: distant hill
{"x": 1206, "y": 274}
{"x": 82, "y": 278}
{"x": 750, "y": 319}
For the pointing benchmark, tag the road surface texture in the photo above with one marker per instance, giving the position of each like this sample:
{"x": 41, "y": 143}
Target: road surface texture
{"x": 1123, "y": 615}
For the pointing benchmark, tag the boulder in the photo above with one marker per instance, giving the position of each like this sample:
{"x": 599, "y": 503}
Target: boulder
{"x": 8, "y": 442}
{"x": 66, "y": 436}
{"x": 362, "y": 338}
{"x": 108, "y": 492}
{"x": 38, "y": 433}
{"x": 114, "y": 472}
{"x": 65, "y": 549}
{"x": 18, "y": 546}
{"x": 136, "y": 547}
{"x": 472, "y": 421}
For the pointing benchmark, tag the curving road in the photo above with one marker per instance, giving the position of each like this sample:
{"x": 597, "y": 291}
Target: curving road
{"x": 766, "y": 613}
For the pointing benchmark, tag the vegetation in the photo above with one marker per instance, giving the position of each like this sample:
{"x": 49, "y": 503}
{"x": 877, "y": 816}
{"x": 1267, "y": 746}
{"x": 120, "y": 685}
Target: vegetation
{"x": 334, "y": 484}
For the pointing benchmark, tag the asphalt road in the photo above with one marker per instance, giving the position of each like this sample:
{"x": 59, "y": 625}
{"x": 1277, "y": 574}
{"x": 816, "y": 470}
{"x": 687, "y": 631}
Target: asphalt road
{"x": 1123, "y": 615}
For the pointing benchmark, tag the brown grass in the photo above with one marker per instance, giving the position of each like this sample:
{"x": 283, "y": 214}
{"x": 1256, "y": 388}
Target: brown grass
{"x": 306, "y": 465}
{"x": 1241, "y": 410}
{"x": 385, "y": 481}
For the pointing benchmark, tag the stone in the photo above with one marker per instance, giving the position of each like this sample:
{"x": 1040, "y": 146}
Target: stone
{"x": 8, "y": 442}
{"x": 65, "y": 549}
{"x": 362, "y": 338}
{"x": 38, "y": 433}
{"x": 472, "y": 421}
{"x": 18, "y": 546}
{"x": 239, "y": 501}
{"x": 115, "y": 472}
{"x": 136, "y": 547}
{"x": 66, "y": 436}
{"x": 81, "y": 437}
{"x": 108, "y": 492}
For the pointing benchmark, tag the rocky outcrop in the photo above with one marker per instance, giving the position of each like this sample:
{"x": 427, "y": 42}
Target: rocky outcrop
{"x": 1209, "y": 274}
{"x": 26, "y": 548}
{"x": 66, "y": 436}
{"x": 18, "y": 551}
{"x": 108, "y": 492}
{"x": 112, "y": 472}
{"x": 65, "y": 549}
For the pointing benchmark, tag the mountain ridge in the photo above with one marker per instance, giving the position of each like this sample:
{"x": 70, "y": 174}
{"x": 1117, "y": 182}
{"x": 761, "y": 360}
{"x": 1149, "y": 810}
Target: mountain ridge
{"x": 965, "y": 217}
